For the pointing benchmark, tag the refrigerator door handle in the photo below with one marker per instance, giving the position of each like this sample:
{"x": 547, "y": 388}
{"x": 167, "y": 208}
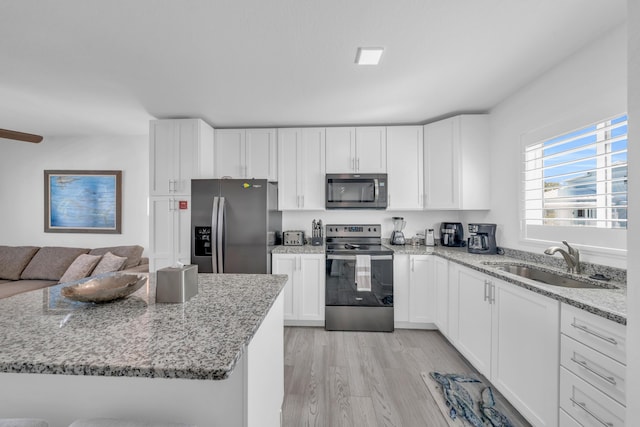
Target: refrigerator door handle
{"x": 214, "y": 235}
{"x": 220, "y": 235}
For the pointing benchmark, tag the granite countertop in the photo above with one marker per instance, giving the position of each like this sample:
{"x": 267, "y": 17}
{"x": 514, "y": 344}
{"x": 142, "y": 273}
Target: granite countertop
{"x": 608, "y": 303}
{"x": 43, "y": 332}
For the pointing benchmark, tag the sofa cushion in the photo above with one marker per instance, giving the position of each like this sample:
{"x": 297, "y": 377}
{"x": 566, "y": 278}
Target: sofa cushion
{"x": 13, "y": 259}
{"x": 51, "y": 262}
{"x": 108, "y": 263}
{"x": 80, "y": 268}
{"x": 19, "y": 286}
{"x": 133, "y": 253}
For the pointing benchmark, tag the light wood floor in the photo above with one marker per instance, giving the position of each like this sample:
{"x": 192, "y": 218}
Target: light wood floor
{"x": 366, "y": 379}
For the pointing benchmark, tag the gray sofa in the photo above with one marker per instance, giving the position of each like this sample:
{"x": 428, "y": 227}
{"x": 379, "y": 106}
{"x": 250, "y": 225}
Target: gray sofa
{"x": 26, "y": 268}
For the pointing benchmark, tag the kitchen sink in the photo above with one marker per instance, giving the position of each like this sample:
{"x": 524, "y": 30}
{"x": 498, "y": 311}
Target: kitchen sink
{"x": 546, "y": 277}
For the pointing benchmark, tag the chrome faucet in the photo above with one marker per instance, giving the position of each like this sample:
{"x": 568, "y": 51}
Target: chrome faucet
{"x": 572, "y": 257}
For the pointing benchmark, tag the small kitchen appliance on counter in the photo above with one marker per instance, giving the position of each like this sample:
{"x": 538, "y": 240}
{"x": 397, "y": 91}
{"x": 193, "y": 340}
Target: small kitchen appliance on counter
{"x": 293, "y": 238}
{"x": 482, "y": 239}
{"x": 397, "y": 236}
{"x": 451, "y": 234}
{"x": 429, "y": 239}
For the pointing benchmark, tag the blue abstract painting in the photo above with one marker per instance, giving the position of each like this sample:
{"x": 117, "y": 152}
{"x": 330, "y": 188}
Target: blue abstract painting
{"x": 83, "y": 202}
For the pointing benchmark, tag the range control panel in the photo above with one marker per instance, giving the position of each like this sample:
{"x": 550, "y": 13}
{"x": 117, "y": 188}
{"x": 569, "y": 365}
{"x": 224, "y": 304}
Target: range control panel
{"x": 348, "y": 230}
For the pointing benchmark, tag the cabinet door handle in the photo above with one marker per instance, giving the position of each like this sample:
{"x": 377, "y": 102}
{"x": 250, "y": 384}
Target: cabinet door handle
{"x": 353, "y": 164}
{"x": 358, "y": 165}
{"x": 171, "y": 186}
{"x": 492, "y": 293}
{"x": 413, "y": 264}
{"x": 583, "y": 406}
{"x": 594, "y": 333}
{"x": 486, "y": 290}
{"x": 585, "y": 365}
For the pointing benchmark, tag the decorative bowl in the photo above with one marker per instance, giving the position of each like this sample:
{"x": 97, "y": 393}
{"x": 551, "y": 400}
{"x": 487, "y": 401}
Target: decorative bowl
{"x": 104, "y": 289}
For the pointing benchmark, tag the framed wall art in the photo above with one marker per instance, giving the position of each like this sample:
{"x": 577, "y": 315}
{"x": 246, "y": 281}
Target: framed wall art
{"x": 82, "y": 201}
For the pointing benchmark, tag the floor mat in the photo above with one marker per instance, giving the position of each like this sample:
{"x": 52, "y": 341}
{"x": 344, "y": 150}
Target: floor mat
{"x": 465, "y": 400}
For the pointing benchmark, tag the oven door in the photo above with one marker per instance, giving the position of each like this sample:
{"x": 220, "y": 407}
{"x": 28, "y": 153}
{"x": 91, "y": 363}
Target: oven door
{"x": 358, "y": 191}
{"x": 341, "y": 289}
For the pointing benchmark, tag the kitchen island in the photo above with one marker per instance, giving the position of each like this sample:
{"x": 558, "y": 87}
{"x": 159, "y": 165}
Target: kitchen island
{"x": 215, "y": 360}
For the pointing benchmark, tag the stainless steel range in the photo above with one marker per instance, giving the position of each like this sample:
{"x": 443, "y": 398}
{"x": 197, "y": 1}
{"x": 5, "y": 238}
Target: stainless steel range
{"x": 359, "y": 279}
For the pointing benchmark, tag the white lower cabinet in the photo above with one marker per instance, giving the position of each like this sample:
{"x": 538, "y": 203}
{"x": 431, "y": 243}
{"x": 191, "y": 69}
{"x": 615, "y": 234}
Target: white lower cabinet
{"x": 510, "y": 335}
{"x": 470, "y": 328}
{"x": 525, "y": 351}
{"x": 169, "y": 231}
{"x": 414, "y": 291}
{"x": 593, "y": 369}
{"x": 441, "y": 279}
{"x": 305, "y": 288}
{"x": 586, "y": 404}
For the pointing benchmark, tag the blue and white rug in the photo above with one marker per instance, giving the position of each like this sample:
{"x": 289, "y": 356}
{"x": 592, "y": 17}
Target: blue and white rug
{"x": 467, "y": 401}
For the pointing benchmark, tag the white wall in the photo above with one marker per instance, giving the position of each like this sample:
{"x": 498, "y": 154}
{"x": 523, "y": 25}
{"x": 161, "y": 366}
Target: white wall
{"x": 587, "y": 84}
{"x": 416, "y": 221}
{"x": 22, "y": 168}
{"x": 633, "y": 273}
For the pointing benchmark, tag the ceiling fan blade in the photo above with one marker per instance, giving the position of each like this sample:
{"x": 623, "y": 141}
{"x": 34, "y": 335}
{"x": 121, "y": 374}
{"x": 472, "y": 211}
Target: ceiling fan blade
{"x": 20, "y": 136}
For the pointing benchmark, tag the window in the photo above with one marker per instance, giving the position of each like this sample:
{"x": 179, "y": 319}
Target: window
{"x": 578, "y": 179}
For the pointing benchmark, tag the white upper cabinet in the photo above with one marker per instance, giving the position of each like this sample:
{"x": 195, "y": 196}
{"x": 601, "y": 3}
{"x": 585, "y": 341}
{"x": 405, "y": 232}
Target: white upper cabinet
{"x": 246, "y": 153}
{"x": 179, "y": 150}
{"x": 457, "y": 163}
{"x": 356, "y": 150}
{"x": 301, "y": 176}
{"x": 405, "y": 167}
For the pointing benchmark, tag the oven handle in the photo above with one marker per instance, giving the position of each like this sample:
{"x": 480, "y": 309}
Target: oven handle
{"x": 353, "y": 257}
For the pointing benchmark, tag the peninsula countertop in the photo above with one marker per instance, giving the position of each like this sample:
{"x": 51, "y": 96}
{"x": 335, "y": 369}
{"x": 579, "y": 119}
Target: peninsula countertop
{"x": 43, "y": 332}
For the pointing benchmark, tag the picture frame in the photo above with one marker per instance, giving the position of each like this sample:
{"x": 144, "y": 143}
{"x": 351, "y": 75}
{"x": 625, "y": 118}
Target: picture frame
{"x": 82, "y": 201}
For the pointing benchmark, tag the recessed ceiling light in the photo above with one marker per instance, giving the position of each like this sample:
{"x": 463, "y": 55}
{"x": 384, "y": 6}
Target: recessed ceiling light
{"x": 369, "y": 55}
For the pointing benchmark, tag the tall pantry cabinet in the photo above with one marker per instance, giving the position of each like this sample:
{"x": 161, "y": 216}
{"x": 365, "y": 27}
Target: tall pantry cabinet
{"x": 179, "y": 150}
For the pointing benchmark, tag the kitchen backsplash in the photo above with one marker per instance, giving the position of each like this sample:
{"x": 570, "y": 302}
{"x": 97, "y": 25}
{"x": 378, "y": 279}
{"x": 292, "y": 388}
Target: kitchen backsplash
{"x": 417, "y": 221}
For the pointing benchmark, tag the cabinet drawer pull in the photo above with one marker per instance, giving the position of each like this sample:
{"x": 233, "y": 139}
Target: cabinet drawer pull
{"x": 585, "y": 365}
{"x": 594, "y": 333}
{"x": 583, "y": 406}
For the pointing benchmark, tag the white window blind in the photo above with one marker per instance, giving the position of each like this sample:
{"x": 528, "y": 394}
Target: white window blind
{"x": 578, "y": 179}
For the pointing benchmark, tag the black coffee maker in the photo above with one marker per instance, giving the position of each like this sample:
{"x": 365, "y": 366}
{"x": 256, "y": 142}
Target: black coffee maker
{"x": 482, "y": 239}
{"x": 451, "y": 234}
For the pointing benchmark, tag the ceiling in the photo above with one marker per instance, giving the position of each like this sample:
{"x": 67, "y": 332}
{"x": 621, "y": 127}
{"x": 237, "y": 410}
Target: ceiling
{"x": 77, "y": 67}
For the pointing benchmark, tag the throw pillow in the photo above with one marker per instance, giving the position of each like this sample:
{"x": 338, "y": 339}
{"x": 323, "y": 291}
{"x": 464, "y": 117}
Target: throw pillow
{"x": 133, "y": 253}
{"x": 108, "y": 263}
{"x": 13, "y": 259}
{"x": 51, "y": 262}
{"x": 80, "y": 268}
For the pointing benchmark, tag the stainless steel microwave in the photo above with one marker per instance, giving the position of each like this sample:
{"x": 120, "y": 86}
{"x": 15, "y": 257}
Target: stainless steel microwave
{"x": 356, "y": 191}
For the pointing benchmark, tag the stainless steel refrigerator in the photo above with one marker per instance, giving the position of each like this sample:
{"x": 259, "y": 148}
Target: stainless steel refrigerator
{"x": 234, "y": 225}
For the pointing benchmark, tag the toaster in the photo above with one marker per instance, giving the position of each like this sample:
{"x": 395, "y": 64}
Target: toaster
{"x": 293, "y": 238}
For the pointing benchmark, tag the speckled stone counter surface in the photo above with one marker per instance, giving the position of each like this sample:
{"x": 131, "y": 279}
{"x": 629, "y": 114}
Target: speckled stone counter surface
{"x": 305, "y": 249}
{"x": 605, "y": 302}
{"x": 43, "y": 332}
